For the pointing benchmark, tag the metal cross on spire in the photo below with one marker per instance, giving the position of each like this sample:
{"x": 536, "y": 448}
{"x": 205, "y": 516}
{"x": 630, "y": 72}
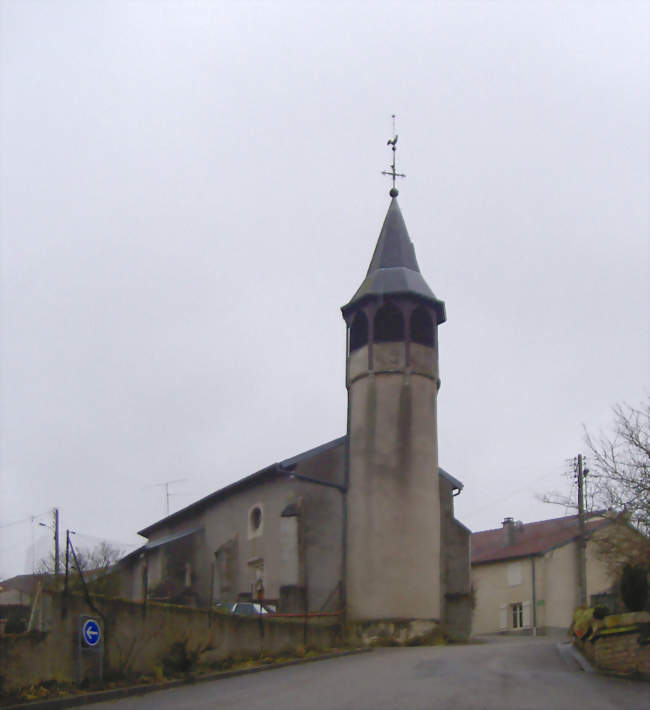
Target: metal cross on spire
{"x": 393, "y": 172}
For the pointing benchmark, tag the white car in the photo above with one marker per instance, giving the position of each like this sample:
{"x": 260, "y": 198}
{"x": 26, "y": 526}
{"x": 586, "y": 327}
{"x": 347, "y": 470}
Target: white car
{"x": 246, "y": 608}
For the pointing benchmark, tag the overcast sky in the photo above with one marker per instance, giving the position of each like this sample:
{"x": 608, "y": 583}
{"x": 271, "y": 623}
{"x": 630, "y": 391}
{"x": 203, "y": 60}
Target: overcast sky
{"x": 189, "y": 191}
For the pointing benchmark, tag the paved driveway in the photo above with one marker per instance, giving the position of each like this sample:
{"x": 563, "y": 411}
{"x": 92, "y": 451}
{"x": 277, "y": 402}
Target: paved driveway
{"x": 521, "y": 674}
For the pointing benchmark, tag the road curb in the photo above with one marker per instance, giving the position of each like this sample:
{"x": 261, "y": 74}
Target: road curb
{"x": 569, "y": 649}
{"x": 72, "y": 701}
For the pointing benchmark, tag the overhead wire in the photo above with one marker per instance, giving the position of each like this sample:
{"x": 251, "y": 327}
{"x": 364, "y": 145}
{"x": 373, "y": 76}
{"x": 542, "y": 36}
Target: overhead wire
{"x": 506, "y": 496}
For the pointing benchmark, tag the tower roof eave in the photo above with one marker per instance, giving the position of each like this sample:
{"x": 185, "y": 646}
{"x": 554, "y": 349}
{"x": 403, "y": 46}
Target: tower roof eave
{"x": 396, "y": 281}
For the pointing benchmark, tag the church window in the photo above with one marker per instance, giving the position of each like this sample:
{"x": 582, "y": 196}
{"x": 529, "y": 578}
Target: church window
{"x": 255, "y": 521}
{"x": 256, "y": 518}
{"x": 359, "y": 331}
{"x": 389, "y": 324}
{"x": 421, "y": 326}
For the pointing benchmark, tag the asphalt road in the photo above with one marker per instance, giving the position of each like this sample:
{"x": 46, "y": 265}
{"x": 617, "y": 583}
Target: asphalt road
{"x": 521, "y": 674}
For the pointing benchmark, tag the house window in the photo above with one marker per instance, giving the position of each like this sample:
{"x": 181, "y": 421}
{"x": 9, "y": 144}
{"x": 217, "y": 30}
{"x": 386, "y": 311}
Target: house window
{"x": 516, "y": 615}
{"x": 515, "y": 576}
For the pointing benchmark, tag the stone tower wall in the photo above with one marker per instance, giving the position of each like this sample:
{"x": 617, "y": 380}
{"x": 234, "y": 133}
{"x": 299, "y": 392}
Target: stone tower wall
{"x": 393, "y": 541}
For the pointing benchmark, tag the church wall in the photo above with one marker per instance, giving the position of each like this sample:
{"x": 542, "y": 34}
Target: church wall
{"x": 301, "y": 549}
{"x": 326, "y": 466}
{"x": 322, "y": 525}
{"x": 248, "y": 557}
{"x": 458, "y": 558}
{"x": 445, "y": 491}
{"x": 458, "y": 596}
{"x": 455, "y": 573}
{"x": 257, "y": 557}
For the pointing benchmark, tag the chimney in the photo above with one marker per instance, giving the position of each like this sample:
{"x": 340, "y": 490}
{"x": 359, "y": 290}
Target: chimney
{"x": 508, "y": 531}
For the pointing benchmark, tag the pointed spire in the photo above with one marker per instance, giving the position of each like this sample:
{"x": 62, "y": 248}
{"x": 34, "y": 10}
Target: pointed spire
{"x": 394, "y": 268}
{"x": 394, "y": 246}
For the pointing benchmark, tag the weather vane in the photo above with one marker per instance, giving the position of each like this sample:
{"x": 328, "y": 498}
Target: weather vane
{"x": 393, "y": 172}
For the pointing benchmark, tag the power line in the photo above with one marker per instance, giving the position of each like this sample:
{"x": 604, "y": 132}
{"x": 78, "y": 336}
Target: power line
{"x": 95, "y": 538}
{"x": 16, "y": 522}
{"x": 507, "y": 496}
{"x": 28, "y": 519}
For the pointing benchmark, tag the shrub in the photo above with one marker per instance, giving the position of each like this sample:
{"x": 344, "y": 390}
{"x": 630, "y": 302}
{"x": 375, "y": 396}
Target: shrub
{"x": 634, "y": 587}
{"x": 600, "y": 611}
{"x": 179, "y": 659}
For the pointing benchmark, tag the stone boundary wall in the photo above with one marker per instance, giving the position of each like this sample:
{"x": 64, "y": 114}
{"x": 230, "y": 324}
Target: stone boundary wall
{"x": 620, "y": 644}
{"x": 138, "y": 637}
{"x": 622, "y": 653}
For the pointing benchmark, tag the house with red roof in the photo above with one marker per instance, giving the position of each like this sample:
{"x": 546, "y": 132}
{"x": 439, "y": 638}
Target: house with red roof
{"x": 525, "y": 576}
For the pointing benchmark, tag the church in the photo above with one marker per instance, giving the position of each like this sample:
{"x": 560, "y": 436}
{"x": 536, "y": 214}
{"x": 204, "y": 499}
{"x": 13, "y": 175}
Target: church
{"x": 362, "y": 525}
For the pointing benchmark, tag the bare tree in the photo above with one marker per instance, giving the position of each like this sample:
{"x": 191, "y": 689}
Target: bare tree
{"x": 617, "y": 485}
{"x": 620, "y": 465}
{"x": 618, "y": 475}
{"x": 96, "y": 563}
{"x": 99, "y": 558}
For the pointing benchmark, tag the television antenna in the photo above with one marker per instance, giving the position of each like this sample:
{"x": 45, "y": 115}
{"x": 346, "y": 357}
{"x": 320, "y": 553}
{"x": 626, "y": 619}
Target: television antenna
{"x": 166, "y": 485}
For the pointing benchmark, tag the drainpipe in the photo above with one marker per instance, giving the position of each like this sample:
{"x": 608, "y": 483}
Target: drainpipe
{"x": 532, "y": 563}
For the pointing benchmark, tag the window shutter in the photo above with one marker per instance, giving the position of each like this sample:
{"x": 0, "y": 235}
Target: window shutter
{"x": 526, "y": 615}
{"x": 503, "y": 617}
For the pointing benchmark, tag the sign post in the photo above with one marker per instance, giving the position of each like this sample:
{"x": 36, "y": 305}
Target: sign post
{"x": 90, "y": 643}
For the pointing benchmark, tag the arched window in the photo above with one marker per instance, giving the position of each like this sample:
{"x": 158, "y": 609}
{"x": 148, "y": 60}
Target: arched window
{"x": 389, "y": 324}
{"x": 422, "y": 327}
{"x": 256, "y": 518}
{"x": 255, "y": 521}
{"x": 359, "y": 331}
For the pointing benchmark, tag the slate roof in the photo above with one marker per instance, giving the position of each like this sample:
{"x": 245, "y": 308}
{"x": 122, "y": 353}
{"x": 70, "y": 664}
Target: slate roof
{"x": 282, "y": 469}
{"x": 265, "y": 474}
{"x": 394, "y": 268}
{"x": 172, "y": 538}
{"x": 530, "y": 539}
{"x": 299, "y": 458}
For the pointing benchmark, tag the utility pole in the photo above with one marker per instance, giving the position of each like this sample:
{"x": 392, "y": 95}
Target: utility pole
{"x": 55, "y": 531}
{"x": 581, "y": 472}
{"x": 67, "y": 559}
{"x": 56, "y": 542}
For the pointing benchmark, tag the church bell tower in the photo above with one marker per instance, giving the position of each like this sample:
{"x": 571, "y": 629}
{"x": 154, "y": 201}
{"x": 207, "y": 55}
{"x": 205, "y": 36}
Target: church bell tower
{"x": 393, "y": 506}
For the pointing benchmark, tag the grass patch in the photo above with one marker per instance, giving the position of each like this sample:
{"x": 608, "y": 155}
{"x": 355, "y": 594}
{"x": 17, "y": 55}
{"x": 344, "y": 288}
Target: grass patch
{"x": 52, "y": 689}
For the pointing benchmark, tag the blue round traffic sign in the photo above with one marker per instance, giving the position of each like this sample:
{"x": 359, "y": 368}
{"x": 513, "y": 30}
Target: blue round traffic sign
{"x": 91, "y": 632}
